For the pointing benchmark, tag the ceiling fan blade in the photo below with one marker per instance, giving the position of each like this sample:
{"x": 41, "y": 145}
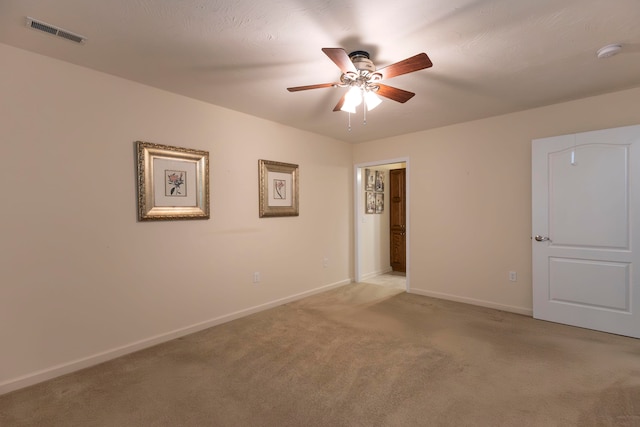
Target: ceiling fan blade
{"x": 409, "y": 65}
{"x": 318, "y": 86}
{"x": 340, "y": 58}
{"x": 394, "y": 93}
{"x": 340, "y": 103}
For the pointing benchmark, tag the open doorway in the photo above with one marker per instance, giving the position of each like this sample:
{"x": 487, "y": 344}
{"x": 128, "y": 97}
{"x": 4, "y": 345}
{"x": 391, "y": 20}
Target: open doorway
{"x": 373, "y": 230}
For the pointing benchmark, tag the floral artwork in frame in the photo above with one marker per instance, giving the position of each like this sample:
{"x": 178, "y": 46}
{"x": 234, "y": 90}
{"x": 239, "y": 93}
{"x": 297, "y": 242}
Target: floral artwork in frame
{"x": 278, "y": 189}
{"x": 173, "y": 182}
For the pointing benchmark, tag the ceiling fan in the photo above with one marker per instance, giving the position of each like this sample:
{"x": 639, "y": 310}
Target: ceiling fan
{"x": 359, "y": 74}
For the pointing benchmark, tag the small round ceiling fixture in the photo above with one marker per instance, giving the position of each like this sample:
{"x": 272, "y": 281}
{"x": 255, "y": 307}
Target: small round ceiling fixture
{"x": 609, "y": 50}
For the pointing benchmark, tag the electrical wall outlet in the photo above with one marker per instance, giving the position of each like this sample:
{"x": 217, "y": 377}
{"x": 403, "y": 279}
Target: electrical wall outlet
{"x": 513, "y": 276}
{"x": 325, "y": 262}
{"x": 256, "y": 277}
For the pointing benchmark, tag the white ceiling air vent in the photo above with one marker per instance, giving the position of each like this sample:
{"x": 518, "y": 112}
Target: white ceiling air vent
{"x": 53, "y": 30}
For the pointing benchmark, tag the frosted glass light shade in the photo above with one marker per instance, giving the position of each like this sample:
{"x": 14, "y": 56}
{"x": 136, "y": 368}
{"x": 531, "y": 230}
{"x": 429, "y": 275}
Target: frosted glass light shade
{"x": 371, "y": 100}
{"x": 352, "y": 99}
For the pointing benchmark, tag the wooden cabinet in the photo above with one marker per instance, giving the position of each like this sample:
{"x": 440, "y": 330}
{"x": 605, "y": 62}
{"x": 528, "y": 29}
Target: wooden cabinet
{"x": 397, "y": 214}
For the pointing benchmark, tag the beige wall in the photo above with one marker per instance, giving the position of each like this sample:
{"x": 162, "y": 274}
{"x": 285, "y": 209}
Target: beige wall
{"x": 82, "y": 281}
{"x": 470, "y": 195}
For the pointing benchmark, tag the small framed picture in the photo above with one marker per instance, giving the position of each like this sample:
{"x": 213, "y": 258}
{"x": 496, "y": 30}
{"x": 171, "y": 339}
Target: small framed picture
{"x": 369, "y": 202}
{"x": 379, "y": 181}
{"x": 278, "y": 188}
{"x": 173, "y": 182}
{"x": 379, "y": 202}
{"x": 369, "y": 180}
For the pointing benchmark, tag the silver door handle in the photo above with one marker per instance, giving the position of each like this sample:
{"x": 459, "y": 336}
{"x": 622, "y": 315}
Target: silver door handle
{"x": 539, "y": 238}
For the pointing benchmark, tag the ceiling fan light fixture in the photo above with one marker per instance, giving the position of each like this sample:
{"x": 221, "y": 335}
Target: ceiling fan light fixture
{"x": 348, "y": 108}
{"x": 361, "y": 79}
{"x": 371, "y": 100}
{"x": 352, "y": 99}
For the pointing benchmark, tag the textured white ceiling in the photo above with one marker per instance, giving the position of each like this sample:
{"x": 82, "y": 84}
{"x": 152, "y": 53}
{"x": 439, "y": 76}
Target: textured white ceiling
{"x": 490, "y": 56}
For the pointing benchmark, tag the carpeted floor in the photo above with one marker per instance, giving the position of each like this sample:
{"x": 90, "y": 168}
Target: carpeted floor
{"x": 391, "y": 279}
{"x": 359, "y": 355}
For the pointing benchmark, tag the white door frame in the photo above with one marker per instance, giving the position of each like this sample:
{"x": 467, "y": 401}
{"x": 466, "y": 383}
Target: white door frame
{"x": 359, "y": 214}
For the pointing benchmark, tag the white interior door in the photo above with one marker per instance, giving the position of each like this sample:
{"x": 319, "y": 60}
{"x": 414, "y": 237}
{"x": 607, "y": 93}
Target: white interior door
{"x": 586, "y": 228}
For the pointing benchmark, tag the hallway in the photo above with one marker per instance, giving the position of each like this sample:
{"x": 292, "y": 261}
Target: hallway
{"x": 391, "y": 279}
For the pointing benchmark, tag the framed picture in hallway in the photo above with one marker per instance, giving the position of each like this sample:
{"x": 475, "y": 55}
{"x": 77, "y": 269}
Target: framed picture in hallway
{"x": 173, "y": 182}
{"x": 379, "y": 202}
{"x": 369, "y": 180}
{"x": 278, "y": 189}
{"x": 379, "y": 181}
{"x": 369, "y": 202}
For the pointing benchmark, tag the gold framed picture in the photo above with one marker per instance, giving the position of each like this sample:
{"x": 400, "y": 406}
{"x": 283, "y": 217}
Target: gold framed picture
{"x": 369, "y": 180}
{"x": 278, "y": 188}
{"x": 379, "y": 202}
{"x": 369, "y": 202}
{"x": 173, "y": 182}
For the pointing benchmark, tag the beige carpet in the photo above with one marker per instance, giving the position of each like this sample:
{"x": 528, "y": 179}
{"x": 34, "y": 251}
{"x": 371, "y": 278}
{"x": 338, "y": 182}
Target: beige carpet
{"x": 391, "y": 280}
{"x": 360, "y": 355}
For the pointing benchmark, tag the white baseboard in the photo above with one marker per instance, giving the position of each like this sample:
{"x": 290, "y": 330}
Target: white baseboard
{"x": 473, "y": 301}
{"x": 85, "y": 362}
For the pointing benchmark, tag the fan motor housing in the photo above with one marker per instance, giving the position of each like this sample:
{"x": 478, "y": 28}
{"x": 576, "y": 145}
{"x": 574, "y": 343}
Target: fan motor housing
{"x": 361, "y": 61}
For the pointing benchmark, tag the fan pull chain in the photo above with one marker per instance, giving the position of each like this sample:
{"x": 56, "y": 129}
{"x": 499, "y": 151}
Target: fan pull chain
{"x": 364, "y": 114}
{"x": 349, "y": 121}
